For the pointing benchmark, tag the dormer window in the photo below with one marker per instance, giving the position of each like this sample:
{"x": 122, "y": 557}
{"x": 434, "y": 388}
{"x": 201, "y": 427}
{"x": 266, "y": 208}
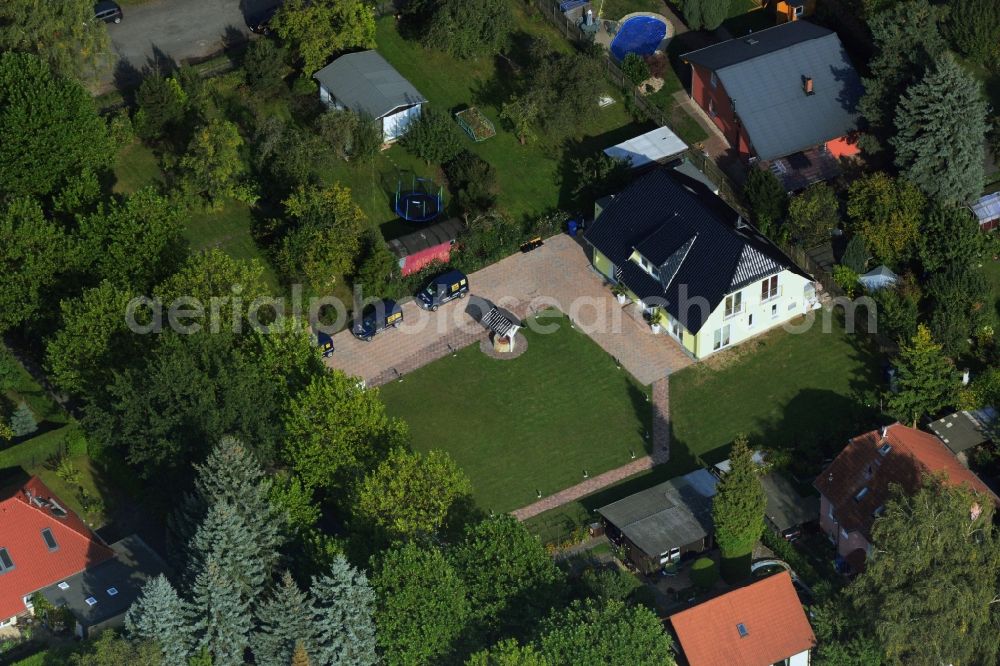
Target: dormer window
{"x": 885, "y": 448}
{"x": 860, "y": 495}
{"x": 6, "y": 564}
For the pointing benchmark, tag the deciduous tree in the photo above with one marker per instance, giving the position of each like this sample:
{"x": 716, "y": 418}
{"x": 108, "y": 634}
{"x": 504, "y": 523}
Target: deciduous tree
{"x": 110, "y": 649}
{"x": 927, "y": 378}
{"x": 470, "y": 28}
{"x": 940, "y": 130}
{"x": 213, "y": 166}
{"x": 886, "y": 212}
{"x": 63, "y": 34}
{"x": 508, "y": 653}
{"x": 705, "y": 14}
{"x": 51, "y": 136}
{"x": 422, "y": 605}
{"x": 264, "y": 67}
{"x": 521, "y": 113}
{"x": 320, "y": 29}
{"x": 433, "y": 137}
{"x": 591, "y": 633}
{"x": 336, "y": 431}
{"x": 814, "y": 214}
{"x": 32, "y": 256}
{"x": 738, "y": 511}
{"x": 766, "y": 196}
{"x": 950, "y": 236}
{"x": 409, "y": 494}
{"x": 162, "y": 106}
{"x": 930, "y": 583}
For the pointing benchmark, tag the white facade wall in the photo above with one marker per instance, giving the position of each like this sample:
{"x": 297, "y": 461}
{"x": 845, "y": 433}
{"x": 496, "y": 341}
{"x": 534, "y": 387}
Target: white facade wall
{"x": 756, "y": 314}
{"x": 801, "y": 659}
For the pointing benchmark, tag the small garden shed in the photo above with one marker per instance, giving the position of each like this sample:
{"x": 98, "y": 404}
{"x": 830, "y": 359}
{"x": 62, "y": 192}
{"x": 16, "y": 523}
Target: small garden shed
{"x": 367, "y": 84}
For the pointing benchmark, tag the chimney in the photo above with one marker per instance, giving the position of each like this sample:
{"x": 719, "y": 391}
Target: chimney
{"x": 807, "y": 85}
{"x": 885, "y": 431}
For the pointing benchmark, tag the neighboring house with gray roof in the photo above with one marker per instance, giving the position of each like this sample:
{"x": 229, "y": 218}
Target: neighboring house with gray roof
{"x": 660, "y": 524}
{"x": 786, "y": 96}
{"x": 368, "y": 85}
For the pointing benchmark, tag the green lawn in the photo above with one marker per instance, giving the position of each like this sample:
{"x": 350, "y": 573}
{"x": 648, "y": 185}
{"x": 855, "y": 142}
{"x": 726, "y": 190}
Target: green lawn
{"x": 136, "y": 166}
{"x": 531, "y": 178}
{"x": 228, "y": 230}
{"x": 531, "y": 423}
{"x": 614, "y": 10}
{"x": 789, "y": 392}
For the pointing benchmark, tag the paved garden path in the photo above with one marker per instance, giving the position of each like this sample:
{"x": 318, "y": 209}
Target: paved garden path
{"x": 559, "y": 275}
{"x": 660, "y": 455}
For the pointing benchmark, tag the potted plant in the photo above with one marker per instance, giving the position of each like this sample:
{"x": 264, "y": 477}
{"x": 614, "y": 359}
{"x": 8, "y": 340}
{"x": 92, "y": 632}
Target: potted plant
{"x": 657, "y": 321}
{"x": 619, "y": 293}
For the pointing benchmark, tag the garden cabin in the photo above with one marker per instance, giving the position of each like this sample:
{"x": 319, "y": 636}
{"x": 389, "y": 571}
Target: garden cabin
{"x": 368, "y": 85}
{"x": 760, "y": 624}
{"x": 415, "y": 251}
{"x": 987, "y": 211}
{"x": 785, "y": 98}
{"x": 662, "y": 524}
{"x": 691, "y": 261}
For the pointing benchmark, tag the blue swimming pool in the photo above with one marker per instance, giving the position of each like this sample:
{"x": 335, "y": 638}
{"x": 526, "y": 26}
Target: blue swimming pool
{"x": 639, "y": 34}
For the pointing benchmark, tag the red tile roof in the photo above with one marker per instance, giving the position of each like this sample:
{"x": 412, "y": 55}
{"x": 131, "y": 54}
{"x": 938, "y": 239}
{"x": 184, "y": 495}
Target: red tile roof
{"x": 912, "y": 454}
{"x": 769, "y": 610}
{"x": 24, "y": 512}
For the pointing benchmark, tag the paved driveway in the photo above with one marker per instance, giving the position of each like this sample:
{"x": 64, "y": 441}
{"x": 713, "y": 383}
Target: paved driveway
{"x": 557, "y": 274}
{"x": 162, "y": 30}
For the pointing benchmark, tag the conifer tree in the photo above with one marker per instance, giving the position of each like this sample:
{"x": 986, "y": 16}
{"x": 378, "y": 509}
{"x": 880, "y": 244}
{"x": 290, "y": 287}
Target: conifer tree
{"x": 300, "y": 657}
{"x": 286, "y": 626}
{"x": 344, "y": 622}
{"x": 225, "y": 537}
{"x": 22, "y": 421}
{"x": 232, "y": 474}
{"x": 220, "y": 617}
{"x": 159, "y": 615}
{"x": 941, "y": 128}
{"x": 927, "y": 379}
{"x": 738, "y": 511}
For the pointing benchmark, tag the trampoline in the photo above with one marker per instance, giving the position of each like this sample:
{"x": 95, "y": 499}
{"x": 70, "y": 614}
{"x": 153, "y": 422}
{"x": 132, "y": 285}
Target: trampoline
{"x": 640, "y": 35}
{"x": 421, "y": 202}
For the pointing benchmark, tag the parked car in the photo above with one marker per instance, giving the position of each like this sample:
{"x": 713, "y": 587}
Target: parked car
{"x": 260, "y": 22}
{"x": 445, "y": 287}
{"x": 376, "y": 318}
{"x": 324, "y": 341}
{"x": 108, "y": 11}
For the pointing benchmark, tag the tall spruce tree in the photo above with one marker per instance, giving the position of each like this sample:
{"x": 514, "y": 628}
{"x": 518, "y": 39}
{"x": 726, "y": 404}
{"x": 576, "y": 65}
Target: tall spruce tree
{"x": 225, "y": 537}
{"x": 160, "y": 615}
{"x": 231, "y": 474}
{"x": 738, "y": 511}
{"x": 22, "y": 421}
{"x": 927, "y": 378}
{"x": 344, "y": 622}
{"x": 219, "y": 616}
{"x": 940, "y": 133}
{"x": 286, "y": 625}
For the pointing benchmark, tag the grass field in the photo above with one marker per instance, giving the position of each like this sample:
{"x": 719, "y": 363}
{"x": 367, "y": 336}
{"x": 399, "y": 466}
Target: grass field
{"x": 228, "y": 229}
{"x": 785, "y": 391}
{"x": 531, "y": 423}
{"x": 532, "y": 178}
{"x": 135, "y": 166}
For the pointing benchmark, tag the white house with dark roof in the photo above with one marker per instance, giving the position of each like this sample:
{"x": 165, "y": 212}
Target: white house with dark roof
{"x": 683, "y": 254}
{"x": 367, "y": 84}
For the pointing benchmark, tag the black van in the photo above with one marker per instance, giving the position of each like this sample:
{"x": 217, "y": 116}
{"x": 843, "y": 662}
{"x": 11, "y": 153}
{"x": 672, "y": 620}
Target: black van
{"x": 108, "y": 11}
{"x": 442, "y": 289}
{"x": 377, "y": 317}
{"x": 324, "y": 341}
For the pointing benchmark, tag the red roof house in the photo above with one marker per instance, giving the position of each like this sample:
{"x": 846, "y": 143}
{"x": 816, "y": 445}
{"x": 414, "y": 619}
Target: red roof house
{"x": 855, "y": 487}
{"x": 757, "y": 625}
{"x": 42, "y": 543}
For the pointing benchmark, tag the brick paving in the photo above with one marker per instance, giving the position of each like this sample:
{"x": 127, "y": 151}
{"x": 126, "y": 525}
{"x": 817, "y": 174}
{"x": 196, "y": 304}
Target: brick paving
{"x": 559, "y": 275}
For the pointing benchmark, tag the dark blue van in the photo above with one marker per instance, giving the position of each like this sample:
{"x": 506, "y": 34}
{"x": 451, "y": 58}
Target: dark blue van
{"x": 324, "y": 341}
{"x": 377, "y": 317}
{"x": 443, "y": 288}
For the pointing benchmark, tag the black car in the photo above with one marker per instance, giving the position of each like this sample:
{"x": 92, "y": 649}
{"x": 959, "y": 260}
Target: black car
{"x": 108, "y": 11}
{"x": 442, "y": 289}
{"x": 377, "y": 317}
{"x": 260, "y": 22}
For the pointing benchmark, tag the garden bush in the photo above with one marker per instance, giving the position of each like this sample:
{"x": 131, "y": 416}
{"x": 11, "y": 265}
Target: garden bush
{"x": 433, "y": 137}
{"x": 473, "y": 182}
{"x": 162, "y": 104}
{"x": 635, "y": 68}
{"x": 704, "y": 573}
{"x": 264, "y": 67}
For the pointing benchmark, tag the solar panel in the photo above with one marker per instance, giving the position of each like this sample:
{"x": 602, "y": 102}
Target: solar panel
{"x": 5, "y": 561}
{"x": 50, "y": 540}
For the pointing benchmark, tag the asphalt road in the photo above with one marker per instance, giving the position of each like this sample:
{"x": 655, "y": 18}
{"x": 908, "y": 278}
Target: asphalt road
{"x": 157, "y": 32}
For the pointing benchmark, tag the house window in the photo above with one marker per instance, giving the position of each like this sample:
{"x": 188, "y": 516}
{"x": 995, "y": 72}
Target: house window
{"x": 721, "y": 338}
{"x": 878, "y": 511}
{"x": 50, "y": 541}
{"x": 711, "y": 108}
{"x": 769, "y": 288}
{"x": 843, "y": 533}
{"x": 91, "y": 601}
{"x": 6, "y": 564}
{"x": 750, "y": 321}
{"x": 714, "y": 81}
{"x": 63, "y": 586}
{"x": 800, "y": 10}
{"x": 774, "y": 311}
{"x": 734, "y": 304}
{"x": 860, "y": 495}
{"x": 829, "y": 512}
{"x": 884, "y": 449}
{"x": 112, "y": 591}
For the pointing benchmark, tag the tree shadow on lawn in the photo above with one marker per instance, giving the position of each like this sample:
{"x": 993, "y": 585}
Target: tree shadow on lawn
{"x": 588, "y": 146}
{"x": 644, "y": 411}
